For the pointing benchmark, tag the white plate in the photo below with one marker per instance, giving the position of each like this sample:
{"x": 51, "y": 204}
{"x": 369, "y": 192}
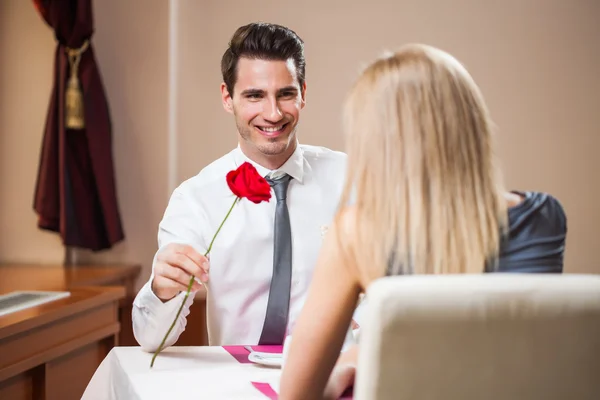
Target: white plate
{"x": 267, "y": 359}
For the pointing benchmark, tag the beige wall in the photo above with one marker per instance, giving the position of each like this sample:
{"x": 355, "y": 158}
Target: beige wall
{"x": 536, "y": 62}
{"x": 131, "y": 44}
{"x": 26, "y": 51}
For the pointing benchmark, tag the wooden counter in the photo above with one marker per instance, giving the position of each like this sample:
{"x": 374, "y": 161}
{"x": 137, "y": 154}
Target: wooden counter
{"x": 58, "y": 277}
{"x": 52, "y": 350}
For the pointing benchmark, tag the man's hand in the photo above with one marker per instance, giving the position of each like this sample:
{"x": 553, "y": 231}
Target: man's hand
{"x": 174, "y": 267}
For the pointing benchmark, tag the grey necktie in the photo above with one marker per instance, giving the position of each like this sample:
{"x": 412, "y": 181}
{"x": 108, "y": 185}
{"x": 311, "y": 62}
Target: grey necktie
{"x": 279, "y": 293}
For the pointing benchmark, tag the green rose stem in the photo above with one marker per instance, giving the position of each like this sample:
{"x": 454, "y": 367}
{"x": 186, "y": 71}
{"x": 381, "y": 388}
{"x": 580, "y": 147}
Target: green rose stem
{"x": 189, "y": 288}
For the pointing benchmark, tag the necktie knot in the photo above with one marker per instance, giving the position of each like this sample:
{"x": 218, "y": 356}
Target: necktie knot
{"x": 280, "y": 186}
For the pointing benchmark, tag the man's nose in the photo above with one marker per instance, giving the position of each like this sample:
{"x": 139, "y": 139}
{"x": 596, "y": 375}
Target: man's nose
{"x": 272, "y": 113}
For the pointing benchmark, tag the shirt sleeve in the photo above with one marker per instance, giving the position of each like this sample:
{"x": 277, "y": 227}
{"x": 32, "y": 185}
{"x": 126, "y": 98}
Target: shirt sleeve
{"x": 151, "y": 317}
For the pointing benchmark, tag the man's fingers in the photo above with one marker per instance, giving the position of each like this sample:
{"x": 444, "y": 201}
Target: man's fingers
{"x": 165, "y": 282}
{"x": 181, "y": 261}
{"x": 176, "y": 274}
{"x": 198, "y": 258}
{"x": 177, "y": 248}
{"x": 173, "y": 278}
{"x": 191, "y": 253}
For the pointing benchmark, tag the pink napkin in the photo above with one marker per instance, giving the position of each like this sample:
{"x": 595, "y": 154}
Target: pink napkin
{"x": 265, "y": 389}
{"x": 268, "y": 349}
{"x": 239, "y": 353}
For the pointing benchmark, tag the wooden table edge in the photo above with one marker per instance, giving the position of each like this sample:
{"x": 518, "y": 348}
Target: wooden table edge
{"x": 58, "y": 309}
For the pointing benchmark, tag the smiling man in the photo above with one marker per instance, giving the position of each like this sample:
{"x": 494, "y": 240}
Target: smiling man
{"x": 262, "y": 262}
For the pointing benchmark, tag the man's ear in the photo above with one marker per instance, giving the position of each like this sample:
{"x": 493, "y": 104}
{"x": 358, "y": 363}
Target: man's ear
{"x": 303, "y": 95}
{"x": 226, "y": 98}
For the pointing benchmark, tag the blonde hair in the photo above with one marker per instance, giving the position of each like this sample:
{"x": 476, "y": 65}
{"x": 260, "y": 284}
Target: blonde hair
{"x": 427, "y": 192}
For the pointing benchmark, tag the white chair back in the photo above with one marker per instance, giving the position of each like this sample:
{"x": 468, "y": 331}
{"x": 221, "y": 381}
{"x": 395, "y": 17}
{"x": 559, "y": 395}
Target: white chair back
{"x": 488, "y": 336}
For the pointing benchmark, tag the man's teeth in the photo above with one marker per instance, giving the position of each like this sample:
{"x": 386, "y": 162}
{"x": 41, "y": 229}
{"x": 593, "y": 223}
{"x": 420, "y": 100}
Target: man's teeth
{"x": 271, "y": 129}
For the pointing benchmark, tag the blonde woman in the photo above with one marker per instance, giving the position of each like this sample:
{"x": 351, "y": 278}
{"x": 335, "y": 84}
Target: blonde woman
{"x": 429, "y": 200}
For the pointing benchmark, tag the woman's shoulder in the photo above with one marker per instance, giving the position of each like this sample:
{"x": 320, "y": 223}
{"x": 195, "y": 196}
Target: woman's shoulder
{"x": 539, "y": 208}
{"x": 536, "y": 236}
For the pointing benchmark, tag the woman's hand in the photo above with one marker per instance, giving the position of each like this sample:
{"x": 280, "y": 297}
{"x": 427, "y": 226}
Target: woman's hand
{"x": 342, "y": 377}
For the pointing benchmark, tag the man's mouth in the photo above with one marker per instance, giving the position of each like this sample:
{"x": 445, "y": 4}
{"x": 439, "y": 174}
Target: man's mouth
{"x": 272, "y": 131}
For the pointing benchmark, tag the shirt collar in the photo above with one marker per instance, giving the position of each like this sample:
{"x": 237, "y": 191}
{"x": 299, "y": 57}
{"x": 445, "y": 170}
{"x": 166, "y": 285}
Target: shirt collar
{"x": 294, "y": 166}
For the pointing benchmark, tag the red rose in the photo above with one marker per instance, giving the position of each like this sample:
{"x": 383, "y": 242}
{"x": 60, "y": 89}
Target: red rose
{"x": 247, "y": 182}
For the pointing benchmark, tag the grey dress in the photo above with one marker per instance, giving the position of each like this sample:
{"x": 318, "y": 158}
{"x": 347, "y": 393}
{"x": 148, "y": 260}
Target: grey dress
{"x": 535, "y": 242}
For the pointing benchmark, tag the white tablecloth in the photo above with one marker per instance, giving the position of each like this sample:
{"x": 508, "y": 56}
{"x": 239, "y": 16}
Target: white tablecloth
{"x": 178, "y": 373}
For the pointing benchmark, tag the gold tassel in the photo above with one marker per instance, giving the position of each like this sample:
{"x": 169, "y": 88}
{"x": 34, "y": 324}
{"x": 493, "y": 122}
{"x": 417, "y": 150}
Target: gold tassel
{"x": 74, "y": 107}
{"x": 74, "y": 118}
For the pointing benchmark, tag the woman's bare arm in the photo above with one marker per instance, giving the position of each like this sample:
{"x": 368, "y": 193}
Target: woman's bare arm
{"x": 319, "y": 333}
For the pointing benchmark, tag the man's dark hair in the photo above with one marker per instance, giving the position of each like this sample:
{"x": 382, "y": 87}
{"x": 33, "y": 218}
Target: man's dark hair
{"x": 262, "y": 41}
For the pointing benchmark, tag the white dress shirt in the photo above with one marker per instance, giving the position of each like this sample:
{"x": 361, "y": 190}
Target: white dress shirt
{"x": 241, "y": 259}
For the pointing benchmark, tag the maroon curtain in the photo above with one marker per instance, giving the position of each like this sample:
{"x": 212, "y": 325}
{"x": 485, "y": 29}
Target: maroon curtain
{"x": 75, "y": 192}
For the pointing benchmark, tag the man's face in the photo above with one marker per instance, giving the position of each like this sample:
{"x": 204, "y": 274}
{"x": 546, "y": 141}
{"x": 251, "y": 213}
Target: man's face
{"x": 266, "y": 103}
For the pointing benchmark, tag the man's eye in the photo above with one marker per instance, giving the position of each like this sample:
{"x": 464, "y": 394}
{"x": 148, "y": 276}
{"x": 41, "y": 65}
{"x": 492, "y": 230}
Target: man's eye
{"x": 254, "y": 96}
{"x": 288, "y": 94}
